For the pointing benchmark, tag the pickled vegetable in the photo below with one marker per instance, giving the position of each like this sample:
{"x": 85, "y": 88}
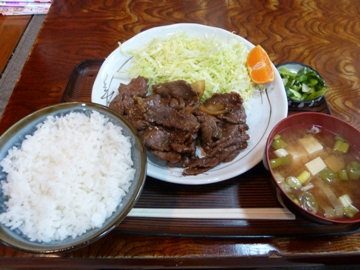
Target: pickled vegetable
{"x": 304, "y": 85}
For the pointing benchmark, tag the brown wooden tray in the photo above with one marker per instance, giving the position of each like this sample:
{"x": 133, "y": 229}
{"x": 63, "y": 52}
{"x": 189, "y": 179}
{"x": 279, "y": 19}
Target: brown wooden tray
{"x": 249, "y": 190}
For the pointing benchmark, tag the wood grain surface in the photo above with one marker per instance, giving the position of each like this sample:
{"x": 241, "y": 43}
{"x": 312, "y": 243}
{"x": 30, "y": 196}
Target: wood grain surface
{"x": 322, "y": 34}
{"x": 11, "y": 30}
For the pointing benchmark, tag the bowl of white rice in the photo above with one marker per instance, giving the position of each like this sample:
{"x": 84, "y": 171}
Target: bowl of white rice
{"x": 69, "y": 174}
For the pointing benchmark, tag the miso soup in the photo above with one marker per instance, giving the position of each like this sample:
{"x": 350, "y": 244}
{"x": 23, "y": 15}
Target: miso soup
{"x": 318, "y": 169}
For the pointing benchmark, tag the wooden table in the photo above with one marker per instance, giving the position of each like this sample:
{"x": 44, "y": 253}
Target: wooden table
{"x": 322, "y": 34}
{"x": 11, "y": 30}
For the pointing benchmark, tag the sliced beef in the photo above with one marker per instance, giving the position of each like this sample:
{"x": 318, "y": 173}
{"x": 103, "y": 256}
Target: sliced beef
{"x": 183, "y": 120}
{"x": 136, "y": 87}
{"x": 183, "y": 142}
{"x": 232, "y": 104}
{"x": 156, "y": 138}
{"x": 208, "y": 127}
{"x": 200, "y": 165}
{"x": 172, "y": 123}
{"x": 178, "y": 93}
{"x": 171, "y": 157}
{"x": 154, "y": 110}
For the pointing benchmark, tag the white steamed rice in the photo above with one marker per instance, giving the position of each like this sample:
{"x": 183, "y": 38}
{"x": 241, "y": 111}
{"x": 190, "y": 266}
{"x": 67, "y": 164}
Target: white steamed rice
{"x": 66, "y": 178}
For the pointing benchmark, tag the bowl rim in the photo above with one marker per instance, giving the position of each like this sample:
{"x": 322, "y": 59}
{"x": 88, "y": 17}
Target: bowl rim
{"x": 283, "y": 193}
{"x": 28, "y": 246}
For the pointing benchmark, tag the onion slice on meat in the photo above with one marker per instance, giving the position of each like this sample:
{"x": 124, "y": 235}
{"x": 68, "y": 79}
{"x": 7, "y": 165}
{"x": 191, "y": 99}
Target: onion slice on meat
{"x": 199, "y": 87}
{"x": 213, "y": 108}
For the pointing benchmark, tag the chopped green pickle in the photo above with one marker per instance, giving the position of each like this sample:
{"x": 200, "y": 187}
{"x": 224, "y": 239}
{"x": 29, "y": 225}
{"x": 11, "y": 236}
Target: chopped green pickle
{"x": 353, "y": 170}
{"x": 304, "y": 85}
{"x": 327, "y": 175}
{"x": 312, "y": 82}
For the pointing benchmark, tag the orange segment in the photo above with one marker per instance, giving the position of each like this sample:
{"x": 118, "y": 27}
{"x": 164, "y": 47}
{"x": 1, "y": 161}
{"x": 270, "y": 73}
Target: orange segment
{"x": 259, "y": 66}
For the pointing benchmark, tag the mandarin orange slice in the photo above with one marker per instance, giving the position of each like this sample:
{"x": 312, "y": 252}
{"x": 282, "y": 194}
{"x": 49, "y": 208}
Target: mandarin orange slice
{"x": 259, "y": 66}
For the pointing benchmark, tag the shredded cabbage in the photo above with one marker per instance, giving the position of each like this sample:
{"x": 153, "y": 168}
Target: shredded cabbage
{"x": 221, "y": 63}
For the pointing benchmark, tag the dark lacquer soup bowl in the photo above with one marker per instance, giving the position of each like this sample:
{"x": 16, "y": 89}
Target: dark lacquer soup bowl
{"x": 314, "y": 161}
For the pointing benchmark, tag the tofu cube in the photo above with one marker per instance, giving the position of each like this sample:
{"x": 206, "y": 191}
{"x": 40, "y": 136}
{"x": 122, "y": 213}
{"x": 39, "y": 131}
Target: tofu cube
{"x": 281, "y": 152}
{"x": 310, "y": 144}
{"x": 296, "y": 152}
{"x": 316, "y": 165}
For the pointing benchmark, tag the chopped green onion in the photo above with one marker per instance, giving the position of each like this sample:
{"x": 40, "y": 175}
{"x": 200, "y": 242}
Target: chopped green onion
{"x": 309, "y": 203}
{"x": 276, "y": 162}
{"x": 353, "y": 170}
{"x": 304, "y": 176}
{"x": 342, "y": 174}
{"x": 278, "y": 143}
{"x": 327, "y": 175}
{"x": 293, "y": 182}
{"x": 341, "y": 146}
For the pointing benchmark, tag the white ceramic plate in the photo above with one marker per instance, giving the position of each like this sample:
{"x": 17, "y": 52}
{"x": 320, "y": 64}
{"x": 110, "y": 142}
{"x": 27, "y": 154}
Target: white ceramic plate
{"x": 264, "y": 110}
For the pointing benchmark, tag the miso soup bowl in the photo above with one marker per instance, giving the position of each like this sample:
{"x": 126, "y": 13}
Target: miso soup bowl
{"x": 308, "y": 120}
